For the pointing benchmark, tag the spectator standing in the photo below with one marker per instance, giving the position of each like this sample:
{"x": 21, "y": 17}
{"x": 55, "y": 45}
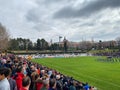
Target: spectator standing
{"x": 4, "y": 84}
{"x": 72, "y": 86}
{"x": 45, "y": 85}
{"x": 86, "y": 87}
{"x": 19, "y": 76}
{"x": 52, "y": 84}
{"x": 59, "y": 84}
{"x": 26, "y": 83}
{"x": 38, "y": 82}
{"x": 12, "y": 82}
{"x": 79, "y": 86}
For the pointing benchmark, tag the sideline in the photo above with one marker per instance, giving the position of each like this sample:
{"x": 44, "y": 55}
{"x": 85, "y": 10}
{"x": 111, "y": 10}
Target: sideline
{"x": 113, "y": 84}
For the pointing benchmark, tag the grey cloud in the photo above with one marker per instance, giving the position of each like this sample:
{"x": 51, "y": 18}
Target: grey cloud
{"x": 87, "y": 24}
{"x": 87, "y": 10}
{"x": 117, "y": 28}
{"x": 52, "y": 1}
{"x": 105, "y": 37}
{"x": 118, "y": 21}
{"x": 43, "y": 8}
{"x": 42, "y": 27}
{"x": 102, "y": 34}
{"x": 32, "y": 16}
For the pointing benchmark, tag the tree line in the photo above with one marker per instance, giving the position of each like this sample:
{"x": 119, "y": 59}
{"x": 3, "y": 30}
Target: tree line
{"x": 27, "y": 44}
{"x": 40, "y": 44}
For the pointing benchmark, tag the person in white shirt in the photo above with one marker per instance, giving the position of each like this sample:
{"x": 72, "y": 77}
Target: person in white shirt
{"x": 4, "y": 84}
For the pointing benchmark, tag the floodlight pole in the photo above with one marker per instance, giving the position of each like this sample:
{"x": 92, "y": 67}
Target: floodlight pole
{"x": 59, "y": 42}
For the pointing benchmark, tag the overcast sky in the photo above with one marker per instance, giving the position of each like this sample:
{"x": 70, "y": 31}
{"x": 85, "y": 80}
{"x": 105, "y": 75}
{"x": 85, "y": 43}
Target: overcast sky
{"x": 73, "y": 19}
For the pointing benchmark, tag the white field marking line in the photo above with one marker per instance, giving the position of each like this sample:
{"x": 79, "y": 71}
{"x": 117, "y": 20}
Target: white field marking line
{"x": 101, "y": 80}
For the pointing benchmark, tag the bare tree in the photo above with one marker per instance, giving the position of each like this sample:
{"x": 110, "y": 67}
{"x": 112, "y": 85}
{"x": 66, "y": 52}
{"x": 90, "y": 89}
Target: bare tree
{"x": 4, "y": 38}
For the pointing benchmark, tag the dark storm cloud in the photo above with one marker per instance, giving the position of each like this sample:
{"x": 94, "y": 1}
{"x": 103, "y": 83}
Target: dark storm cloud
{"x": 87, "y": 10}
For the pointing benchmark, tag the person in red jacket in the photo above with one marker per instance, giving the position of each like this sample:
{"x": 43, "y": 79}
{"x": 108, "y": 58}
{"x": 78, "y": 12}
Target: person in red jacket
{"x": 19, "y": 76}
{"x": 37, "y": 81}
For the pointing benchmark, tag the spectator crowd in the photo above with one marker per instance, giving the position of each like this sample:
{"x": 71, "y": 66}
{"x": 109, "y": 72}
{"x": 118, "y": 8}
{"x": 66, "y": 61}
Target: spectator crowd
{"x": 18, "y": 73}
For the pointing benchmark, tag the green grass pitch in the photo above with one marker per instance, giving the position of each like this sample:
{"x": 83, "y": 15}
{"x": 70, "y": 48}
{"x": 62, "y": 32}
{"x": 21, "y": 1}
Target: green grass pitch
{"x": 103, "y": 75}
